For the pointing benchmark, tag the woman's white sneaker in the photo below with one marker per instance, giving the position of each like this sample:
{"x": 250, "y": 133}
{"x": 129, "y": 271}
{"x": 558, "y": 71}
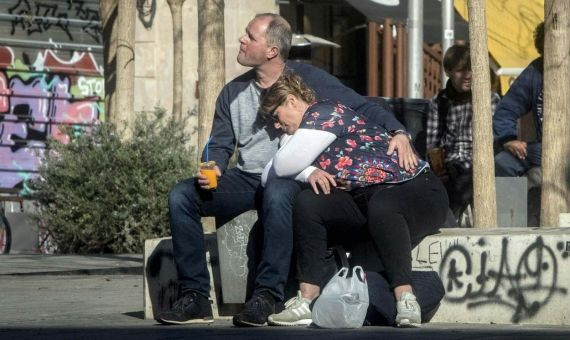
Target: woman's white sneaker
{"x": 296, "y": 313}
{"x": 409, "y": 312}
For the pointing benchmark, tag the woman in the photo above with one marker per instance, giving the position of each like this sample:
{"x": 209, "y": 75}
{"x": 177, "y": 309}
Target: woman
{"x": 340, "y": 152}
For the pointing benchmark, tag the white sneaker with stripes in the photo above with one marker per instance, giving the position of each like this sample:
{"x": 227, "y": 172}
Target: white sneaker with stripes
{"x": 296, "y": 313}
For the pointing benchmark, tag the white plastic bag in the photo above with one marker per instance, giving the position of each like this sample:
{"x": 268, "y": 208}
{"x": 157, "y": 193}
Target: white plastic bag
{"x": 343, "y": 302}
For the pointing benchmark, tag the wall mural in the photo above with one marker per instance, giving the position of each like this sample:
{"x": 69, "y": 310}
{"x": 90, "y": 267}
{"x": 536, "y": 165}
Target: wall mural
{"x": 51, "y": 75}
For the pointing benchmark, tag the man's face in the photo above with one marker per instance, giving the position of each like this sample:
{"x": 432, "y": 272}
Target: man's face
{"x": 253, "y": 49}
{"x": 460, "y": 80}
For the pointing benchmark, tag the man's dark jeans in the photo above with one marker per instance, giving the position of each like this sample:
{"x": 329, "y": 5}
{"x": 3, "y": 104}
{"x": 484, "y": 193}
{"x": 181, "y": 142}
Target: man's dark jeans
{"x": 508, "y": 165}
{"x": 237, "y": 192}
{"x": 459, "y": 187}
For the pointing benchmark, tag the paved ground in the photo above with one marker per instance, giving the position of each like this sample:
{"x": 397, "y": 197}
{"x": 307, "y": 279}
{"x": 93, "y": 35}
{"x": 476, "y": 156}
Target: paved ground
{"x": 78, "y": 297}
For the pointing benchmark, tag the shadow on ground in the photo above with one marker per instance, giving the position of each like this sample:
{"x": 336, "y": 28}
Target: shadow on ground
{"x": 226, "y": 331}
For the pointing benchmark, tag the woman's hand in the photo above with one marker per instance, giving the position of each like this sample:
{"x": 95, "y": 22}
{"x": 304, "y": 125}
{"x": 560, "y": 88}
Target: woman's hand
{"x": 407, "y": 158}
{"x": 320, "y": 178}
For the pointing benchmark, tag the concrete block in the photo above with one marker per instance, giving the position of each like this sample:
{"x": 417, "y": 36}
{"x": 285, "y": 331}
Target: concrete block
{"x": 160, "y": 285}
{"x": 511, "y": 202}
{"x": 227, "y": 265}
{"x": 24, "y": 233}
{"x": 565, "y": 220}
{"x": 495, "y": 276}
{"x": 233, "y": 238}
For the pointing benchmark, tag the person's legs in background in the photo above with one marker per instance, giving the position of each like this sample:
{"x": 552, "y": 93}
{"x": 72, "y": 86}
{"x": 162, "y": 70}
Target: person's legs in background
{"x": 508, "y": 165}
{"x": 459, "y": 188}
{"x": 534, "y": 176}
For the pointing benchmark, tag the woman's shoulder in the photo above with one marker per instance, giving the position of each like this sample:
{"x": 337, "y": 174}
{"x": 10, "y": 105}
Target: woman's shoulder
{"x": 329, "y": 105}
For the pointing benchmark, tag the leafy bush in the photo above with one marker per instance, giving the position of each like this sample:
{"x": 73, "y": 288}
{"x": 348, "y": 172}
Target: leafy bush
{"x": 100, "y": 193}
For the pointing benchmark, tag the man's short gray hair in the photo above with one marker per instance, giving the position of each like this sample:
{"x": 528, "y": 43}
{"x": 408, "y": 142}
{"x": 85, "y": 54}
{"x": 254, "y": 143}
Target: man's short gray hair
{"x": 278, "y": 33}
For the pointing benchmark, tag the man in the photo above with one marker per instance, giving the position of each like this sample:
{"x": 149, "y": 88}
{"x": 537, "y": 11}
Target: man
{"x": 525, "y": 95}
{"x": 449, "y": 126}
{"x": 264, "y": 47}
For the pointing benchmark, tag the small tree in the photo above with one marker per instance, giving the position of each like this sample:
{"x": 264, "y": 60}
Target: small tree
{"x": 484, "y": 194}
{"x": 211, "y": 56}
{"x": 211, "y": 73}
{"x": 178, "y": 46}
{"x": 123, "y": 108}
{"x": 556, "y": 133}
{"x": 101, "y": 193}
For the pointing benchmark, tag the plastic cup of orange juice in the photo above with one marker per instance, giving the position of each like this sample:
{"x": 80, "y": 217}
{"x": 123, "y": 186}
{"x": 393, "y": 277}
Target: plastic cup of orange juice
{"x": 208, "y": 169}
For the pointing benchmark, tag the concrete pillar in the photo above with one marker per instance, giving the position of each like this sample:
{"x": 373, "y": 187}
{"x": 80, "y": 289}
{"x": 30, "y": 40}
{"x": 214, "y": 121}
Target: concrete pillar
{"x": 415, "y": 48}
{"x": 447, "y": 32}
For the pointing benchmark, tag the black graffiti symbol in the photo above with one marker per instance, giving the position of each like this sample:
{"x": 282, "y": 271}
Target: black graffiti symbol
{"x": 525, "y": 290}
{"x": 92, "y": 27}
{"x": 146, "y": 11}
{"x": 34, "y": 18}
{"x": 31, "y": 19}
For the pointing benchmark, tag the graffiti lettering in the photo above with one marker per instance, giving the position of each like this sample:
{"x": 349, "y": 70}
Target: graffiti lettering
{"x": 434, "y": 252}
{"x": 90, "y": 86}
{"x": 33, "y": 104}
{"x": 524, "y": 288}
{"x": 39, "y": 17}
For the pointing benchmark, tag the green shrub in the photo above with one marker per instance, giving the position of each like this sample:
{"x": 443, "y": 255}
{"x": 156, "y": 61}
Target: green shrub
{"x": 101, "y": 194}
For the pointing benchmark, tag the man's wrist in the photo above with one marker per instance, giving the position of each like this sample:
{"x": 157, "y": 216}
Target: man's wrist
{"x": 401, "y": 132}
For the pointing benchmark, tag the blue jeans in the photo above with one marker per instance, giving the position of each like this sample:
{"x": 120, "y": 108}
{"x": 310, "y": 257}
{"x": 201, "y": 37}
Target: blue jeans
{"x": 509, "y": 165}
{"x": 237, "y": 192}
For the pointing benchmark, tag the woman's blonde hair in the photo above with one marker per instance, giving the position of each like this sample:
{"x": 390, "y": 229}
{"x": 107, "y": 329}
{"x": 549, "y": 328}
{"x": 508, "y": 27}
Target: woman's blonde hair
{"x": 288, "y": 83}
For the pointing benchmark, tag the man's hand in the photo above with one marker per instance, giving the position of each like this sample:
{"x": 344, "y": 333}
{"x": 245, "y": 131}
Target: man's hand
{"x": 517, "y": 148}
{"x": 407, "y": 158}
{"x": 320, "y": 178}
{"x": 203, "y": 181}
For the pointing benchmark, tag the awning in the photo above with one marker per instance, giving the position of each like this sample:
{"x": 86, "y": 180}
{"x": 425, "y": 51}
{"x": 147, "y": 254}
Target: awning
{"x": 375, "y": 11}
{"x": 311, "y": 40}
{"x": 510, "y": 27}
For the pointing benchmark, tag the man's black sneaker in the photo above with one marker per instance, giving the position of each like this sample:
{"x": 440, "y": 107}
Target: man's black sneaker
{"x": 256, "y": 311}
{"x": 191, "y": 308}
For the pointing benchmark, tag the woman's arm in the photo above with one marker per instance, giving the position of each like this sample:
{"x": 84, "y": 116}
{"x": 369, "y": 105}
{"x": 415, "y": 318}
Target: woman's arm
{"x": 301, "y": 151}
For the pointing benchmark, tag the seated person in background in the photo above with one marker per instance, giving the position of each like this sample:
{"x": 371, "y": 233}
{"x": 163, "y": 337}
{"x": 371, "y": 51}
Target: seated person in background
{"x": 449, "y": 127}
{"x": 525, "y": 95}
{"x": 397, "y": 205}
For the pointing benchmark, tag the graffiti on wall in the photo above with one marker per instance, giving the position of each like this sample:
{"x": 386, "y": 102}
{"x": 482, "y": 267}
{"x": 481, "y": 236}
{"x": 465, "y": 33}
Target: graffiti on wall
{"x": 523, "y": 284}
{"x": 37, "y": 17}
{"x": 36, "y": 99}
{"x": 50, "y": 76}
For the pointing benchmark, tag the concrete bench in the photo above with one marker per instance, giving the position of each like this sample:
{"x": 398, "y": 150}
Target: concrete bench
{"x": 227, "y": 264}
{"x": 515, "y": 275}
{"x": 504, "y": 276}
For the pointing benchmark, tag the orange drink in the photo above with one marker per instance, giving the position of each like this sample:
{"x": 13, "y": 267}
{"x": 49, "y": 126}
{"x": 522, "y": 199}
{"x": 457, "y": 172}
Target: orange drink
{"x": 208, "y": 169}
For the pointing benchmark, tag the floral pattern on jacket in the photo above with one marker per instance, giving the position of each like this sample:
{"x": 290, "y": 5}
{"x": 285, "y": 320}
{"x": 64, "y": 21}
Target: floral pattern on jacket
{"x": 358, "y": 156}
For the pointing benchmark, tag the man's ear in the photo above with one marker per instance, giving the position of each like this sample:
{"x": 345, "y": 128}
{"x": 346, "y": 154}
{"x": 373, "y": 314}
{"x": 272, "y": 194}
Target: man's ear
{"x": 272, "y": 52}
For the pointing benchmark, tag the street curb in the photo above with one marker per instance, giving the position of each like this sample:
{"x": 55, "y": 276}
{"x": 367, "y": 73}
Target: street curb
{"x": 95, "y": 271}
